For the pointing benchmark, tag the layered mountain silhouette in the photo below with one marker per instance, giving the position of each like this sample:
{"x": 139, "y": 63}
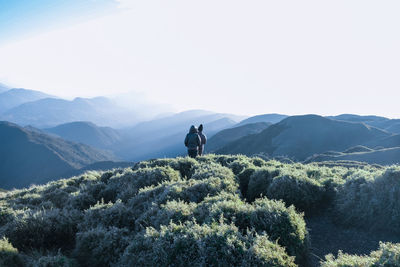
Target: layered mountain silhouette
{"x": 87, "y": 133}
{"x": 269, "y": 118}
{"x": 390, "y": 125}
{"x": 28, "y": 156}
{"x": 226, "y": 136}
{"x": 299, "y": 137}
{"x": 17, "y": 96}
{"x": 50, "y": 112}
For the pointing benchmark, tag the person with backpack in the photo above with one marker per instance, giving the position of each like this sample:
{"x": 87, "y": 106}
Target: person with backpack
{"x": 192, "y": 142}
{"x": 203, "y": 139}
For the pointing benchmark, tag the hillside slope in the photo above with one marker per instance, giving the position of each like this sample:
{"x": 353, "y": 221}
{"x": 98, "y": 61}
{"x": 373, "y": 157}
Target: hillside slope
{"x": 299, "y": 137}
{"x": 87, "y": 133}
{"x": 215, "y": 210}
{"x": 28, "y": 157}
{"x": 226, "y": 136}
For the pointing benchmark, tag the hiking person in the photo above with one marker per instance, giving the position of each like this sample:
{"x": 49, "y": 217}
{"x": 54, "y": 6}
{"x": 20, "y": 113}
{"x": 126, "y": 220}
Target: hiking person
{"x": 203, "y": 139}
{"x": 192, "y": 142}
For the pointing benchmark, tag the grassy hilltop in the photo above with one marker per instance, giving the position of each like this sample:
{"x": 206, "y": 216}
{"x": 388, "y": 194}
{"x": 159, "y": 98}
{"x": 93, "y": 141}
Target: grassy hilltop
{"x": 212, "y": 211}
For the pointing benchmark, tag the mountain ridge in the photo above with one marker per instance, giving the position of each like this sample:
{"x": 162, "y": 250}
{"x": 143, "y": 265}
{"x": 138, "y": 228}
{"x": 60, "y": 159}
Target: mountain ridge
{"x": 302, "y": 136}
{"x": 28, "y": 156}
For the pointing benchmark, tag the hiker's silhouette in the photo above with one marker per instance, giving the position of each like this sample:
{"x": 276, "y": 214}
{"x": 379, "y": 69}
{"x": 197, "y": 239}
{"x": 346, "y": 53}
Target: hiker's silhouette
{"x": 203, "y": 139}
{"x": 192, "y": 142}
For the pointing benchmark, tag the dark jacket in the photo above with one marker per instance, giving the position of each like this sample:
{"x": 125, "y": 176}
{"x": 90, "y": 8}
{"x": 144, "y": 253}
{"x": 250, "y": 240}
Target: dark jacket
{"x": 192, "y": 140}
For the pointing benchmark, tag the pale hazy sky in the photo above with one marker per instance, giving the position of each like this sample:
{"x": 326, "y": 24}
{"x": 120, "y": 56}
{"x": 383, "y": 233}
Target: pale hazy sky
{"x": 244, "y": 57}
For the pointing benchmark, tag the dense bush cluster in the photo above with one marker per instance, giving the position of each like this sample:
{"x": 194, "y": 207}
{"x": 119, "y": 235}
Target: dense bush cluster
{"x": 387, "y": 255}
{"x": 216, "y": 210}
{"x": 371, "y": 201}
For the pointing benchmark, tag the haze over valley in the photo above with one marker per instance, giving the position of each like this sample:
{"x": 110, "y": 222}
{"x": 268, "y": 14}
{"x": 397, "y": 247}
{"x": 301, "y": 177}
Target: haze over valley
{"x": 82, "y": 132}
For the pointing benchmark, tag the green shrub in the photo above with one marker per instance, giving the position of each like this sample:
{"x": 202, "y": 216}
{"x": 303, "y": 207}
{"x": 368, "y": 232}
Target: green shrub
{"x": 302, "y": 192}
{"x": 388, "y": 254}
{"x": 244, "y": 179}
{"x": 110, "y": 214}
{"x": 371, "y": 202}
{"x": 176, "y": 211}
{"x": 101, "y": 246}
{"x": 282, "y": 224}
{"x": 212, "y": 170}
{"x": 260, "y": 181}
{"x": 238, "y": 165}
{"x": 57, "y": 197}
{"x": 155, "y": 163}
{"x": 258, "y": 162}
{"x": 9, "y": 255}
{"x": 186, "y": 190}
{"x": 185, "y": 166}
{"x": 48, "y": 229}
{"x": 129, "y": 183}
{"x": 213, "y": 209}
{"x": 202, "y": 245}
{"x": 56, "y": 260}
{"x": 225, "y": 160}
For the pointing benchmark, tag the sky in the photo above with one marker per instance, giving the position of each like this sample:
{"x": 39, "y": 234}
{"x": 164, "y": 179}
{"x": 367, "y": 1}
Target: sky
{"x": 243, "y": 57}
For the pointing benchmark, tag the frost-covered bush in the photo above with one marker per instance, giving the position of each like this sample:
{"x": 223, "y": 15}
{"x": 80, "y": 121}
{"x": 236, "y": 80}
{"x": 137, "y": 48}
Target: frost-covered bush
{"x": 371, "y": 201}
{"x": 156, "y": 215}
{"x": 302, "y": 192}
{"x": 56, "y": 260}
{"x": 205, "y": 171}
{"x": 155, "y": 163}
{"x": 260, "y": 181}
{"x": 48, "y": 229}
{"x": 388, "y": 254}
{"x": 238, "y": 165}
{"x": 128, "y": 184}
{"x": 9, "y": 255}
{"x": 191, "y": 244}
{"x": 110, "y": 214}
{"x": 186, "y": 190}
{"x": 185, "y": 166}
{"x": 219, "y": 209}
{"x": 282, "y": 224}
{"x": 101, "y": 246}
{"x": 244, "y": 179}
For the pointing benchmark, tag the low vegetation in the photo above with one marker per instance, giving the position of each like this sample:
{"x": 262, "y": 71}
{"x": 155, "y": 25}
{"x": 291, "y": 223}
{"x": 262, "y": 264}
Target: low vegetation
{"x": 387, "y": 255}
{"x": 216, "y": 210}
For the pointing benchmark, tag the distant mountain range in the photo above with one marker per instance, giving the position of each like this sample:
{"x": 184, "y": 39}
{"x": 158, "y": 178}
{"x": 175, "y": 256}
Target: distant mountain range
{"x": 50, "y": 112}
{"x": 17, "y": 96}
{"x": 299, "y": 137}
{"x": 269, "y": 118}
{"x": 28, "y": 157}
{"x": 87, "y": 133}
{"x": 30, "y": 107}
{"x": 390, "y": 125}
